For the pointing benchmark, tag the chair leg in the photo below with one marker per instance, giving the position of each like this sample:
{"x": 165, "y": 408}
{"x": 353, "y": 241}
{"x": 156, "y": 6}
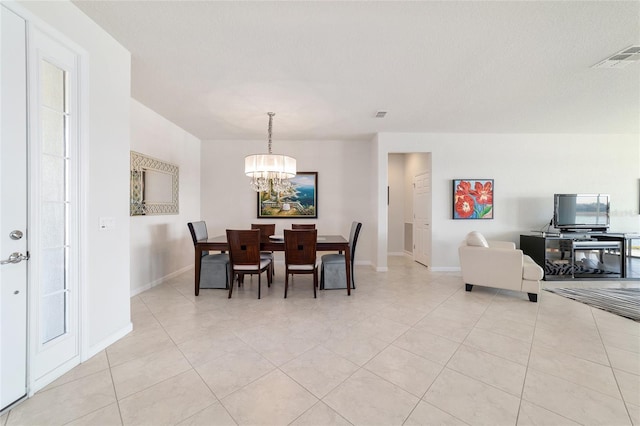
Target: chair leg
{"x": 286, "y": 283}
{"x": 315, "y": 282}
{"x": 231, "y": 280}
{"x": 322, "y": 277}
{"x": 259, "y": 282}
{"x": 353, "y": 280}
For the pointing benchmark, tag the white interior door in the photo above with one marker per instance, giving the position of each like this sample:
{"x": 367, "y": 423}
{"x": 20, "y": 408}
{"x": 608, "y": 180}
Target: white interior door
{"x": 13, "y": 209}
{"x": 422, "y": 218}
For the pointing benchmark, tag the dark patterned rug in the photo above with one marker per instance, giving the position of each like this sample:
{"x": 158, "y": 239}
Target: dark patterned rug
{"x": 620, "y": 301}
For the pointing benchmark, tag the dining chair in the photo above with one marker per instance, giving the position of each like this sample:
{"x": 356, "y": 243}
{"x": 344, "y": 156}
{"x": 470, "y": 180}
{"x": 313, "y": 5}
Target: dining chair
{"x": 266, "y": 230}
{"x": 244, "y": 251}
{"x": 215, "y": 269}
{"x": 303, "y": 226}
{"x": 333, "y": 272}
{"x": 300, "y": 255}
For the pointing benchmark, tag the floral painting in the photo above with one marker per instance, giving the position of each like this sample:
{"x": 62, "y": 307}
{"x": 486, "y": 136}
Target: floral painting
{"x": 473, "y": 198}
{"x": 300, "y": 200}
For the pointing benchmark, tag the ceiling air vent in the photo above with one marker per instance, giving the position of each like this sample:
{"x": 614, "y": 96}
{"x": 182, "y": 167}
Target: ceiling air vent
{"x": 621, "y": 59}
{"x": 381, "y": 114}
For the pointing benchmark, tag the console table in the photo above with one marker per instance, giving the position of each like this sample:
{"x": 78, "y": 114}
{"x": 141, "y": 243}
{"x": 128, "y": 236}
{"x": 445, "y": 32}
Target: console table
{"x": 567, "y": 256}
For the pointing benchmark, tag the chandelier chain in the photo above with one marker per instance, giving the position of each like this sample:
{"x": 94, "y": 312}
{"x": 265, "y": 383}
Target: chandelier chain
{"x": 270, "y": 114}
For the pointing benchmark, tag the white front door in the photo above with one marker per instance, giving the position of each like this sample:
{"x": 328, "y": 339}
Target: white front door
{"x": 13, "y": 209}
{"x": 422, "y": 218}
{"x": 39, "y": 304}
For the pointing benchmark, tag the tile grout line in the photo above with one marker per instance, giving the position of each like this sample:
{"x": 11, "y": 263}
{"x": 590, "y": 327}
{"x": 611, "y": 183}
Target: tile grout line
{"x": 615, "y": 377}
{"x": 113, "y": 384}
{"x": 553, "y": 375}
{"x": 444, "y": 366}
{"x": 177, "y": 347}
{"x": 526, "y": 371}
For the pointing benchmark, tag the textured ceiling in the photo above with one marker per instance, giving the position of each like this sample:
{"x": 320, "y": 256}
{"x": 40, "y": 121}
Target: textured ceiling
{"x": 325, "y": 68}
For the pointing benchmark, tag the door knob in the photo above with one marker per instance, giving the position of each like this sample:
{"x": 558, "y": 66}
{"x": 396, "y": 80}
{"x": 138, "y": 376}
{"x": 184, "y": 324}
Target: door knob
{"x": 16, "y": 235}
{"x": 15, "y": 257}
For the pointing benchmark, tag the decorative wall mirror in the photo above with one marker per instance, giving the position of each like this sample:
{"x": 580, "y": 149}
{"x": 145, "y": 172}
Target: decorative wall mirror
{"x": 154, "y": 186}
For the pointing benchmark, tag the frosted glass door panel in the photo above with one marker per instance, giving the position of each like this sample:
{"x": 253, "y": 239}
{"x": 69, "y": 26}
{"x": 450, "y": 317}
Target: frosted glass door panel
{"x": 53, "y": 177}
{"x": 54, "y": 201}
{"x": 53, "y": 225}
{"x": 53, "y": 80}
{"x": 53, "y": 271}
{"x": 53, "y": 132}
{"x": 53, "y": 316}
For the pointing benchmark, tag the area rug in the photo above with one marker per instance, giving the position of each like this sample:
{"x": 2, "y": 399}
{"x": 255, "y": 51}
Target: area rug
{"x": 620, "y": 301}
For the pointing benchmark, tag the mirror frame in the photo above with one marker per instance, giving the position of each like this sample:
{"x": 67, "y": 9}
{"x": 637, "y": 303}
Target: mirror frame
{"x": 141, "y": 207}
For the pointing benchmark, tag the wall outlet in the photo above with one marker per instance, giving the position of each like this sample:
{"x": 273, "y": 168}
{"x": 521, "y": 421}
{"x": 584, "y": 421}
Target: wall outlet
{"x": 107, "y": 223}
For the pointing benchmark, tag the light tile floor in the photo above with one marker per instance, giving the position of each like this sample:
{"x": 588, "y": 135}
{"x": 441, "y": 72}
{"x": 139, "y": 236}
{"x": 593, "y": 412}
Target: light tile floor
{"x": 409, "y": 346}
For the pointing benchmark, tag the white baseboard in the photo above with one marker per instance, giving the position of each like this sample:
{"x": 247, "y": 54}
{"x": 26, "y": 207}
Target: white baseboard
{"x": 138, "y": 290}
{"x": 400, "y": 254}
{"x": 52, "y": 375}
{"x": 87, "y": 353}
{"x": 105, "y": 343}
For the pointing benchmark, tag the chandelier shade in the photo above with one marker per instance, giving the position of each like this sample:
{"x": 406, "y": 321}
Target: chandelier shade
{"x": 269, "y": 166}
{"x": 269, "y": 171}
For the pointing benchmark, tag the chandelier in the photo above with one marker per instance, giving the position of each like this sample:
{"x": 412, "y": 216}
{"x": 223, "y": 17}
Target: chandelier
{"x": 269, "y": 171}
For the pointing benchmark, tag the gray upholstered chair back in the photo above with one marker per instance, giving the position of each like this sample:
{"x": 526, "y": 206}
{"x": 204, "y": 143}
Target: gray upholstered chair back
{"x": 198, "y": 231}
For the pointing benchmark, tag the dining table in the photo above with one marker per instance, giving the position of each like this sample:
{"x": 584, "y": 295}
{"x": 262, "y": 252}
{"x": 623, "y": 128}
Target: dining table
{"x": 325, "y": 243}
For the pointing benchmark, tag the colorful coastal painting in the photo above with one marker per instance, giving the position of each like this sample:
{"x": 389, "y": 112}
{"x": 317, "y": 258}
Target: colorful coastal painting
{"x": 473, "y": 198}
{"x": 298, "y": 201}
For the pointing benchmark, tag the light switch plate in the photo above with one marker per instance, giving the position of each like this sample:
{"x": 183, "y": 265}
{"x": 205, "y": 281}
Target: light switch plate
{"x": 107, "y": 223}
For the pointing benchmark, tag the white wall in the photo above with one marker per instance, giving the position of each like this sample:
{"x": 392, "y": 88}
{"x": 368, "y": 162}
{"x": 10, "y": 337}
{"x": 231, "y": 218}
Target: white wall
{"x": 345, "y": 186}
{"x": 105, "y": 287}
{"x": 397, "y": 203}
{"x": 528, "y": 170}
{"x": 161, "y": 246}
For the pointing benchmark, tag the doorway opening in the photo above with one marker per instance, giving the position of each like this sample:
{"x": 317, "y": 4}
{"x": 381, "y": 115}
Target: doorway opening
{"x": 409, "y": 206}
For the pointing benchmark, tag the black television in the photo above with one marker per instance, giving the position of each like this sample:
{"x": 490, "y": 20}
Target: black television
{"x": 581, "y": 212}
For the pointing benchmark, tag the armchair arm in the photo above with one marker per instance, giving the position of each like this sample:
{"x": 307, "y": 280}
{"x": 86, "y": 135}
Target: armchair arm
{"x": 502, "y": 244}
{"x": 492, "y": 267}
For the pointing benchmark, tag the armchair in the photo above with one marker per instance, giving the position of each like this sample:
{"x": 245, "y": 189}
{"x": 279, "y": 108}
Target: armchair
{"x": 498, "y": 264}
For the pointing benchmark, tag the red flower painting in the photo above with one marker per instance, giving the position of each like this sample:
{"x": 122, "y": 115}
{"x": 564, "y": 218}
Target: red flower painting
{"x": 473, "y": 199}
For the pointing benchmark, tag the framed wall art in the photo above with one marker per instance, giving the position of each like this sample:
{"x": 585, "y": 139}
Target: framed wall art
{"x": 299, "y": 201}
{"x": 473, "y": 198}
